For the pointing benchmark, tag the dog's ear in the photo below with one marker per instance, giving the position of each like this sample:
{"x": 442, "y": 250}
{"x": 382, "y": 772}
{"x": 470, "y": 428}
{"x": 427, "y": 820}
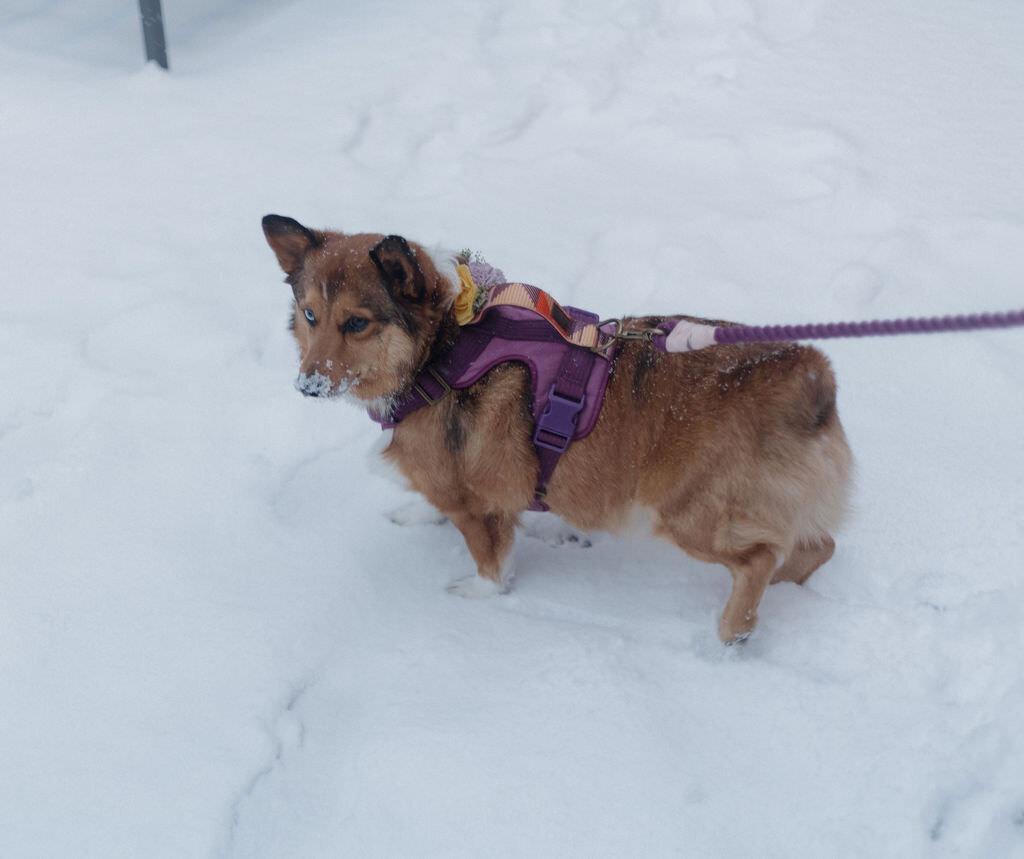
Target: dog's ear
{"x": 289, "y": 240}
{"x": 402, "y": 273}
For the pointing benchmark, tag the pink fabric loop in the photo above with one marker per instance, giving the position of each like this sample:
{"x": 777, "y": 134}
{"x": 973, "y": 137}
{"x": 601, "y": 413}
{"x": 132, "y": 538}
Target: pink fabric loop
{"x": 688, "y": 336}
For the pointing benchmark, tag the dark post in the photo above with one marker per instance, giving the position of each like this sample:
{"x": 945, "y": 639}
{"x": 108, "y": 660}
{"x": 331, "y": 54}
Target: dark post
{"x": 153, "y": 31}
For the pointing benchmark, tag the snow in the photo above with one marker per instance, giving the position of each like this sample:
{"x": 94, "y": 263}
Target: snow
{"x": 214, "y": 641}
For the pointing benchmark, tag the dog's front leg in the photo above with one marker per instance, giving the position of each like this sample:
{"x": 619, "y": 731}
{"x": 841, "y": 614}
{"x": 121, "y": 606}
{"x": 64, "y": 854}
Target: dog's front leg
{"x": 489, "y": 539}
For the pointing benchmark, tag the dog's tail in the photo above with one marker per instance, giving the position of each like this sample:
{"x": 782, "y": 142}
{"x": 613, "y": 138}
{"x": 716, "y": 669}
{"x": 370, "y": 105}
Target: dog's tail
{"x": 814, "y": 404}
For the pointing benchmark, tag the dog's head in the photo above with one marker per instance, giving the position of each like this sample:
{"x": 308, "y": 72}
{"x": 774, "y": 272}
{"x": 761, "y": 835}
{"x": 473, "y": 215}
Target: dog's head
{"x": 368, "y": 309}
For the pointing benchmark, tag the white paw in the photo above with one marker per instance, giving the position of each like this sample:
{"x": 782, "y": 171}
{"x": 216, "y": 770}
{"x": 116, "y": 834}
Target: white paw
{"x": 553, "y": 531}
{"x": 476, "y": 587}
{"x": 738, "y": 640}
{"x": 418, "y": 512}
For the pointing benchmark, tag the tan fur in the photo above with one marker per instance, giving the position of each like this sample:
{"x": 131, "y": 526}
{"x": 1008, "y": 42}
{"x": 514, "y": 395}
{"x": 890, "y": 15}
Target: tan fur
{"x": 736, "y": 451}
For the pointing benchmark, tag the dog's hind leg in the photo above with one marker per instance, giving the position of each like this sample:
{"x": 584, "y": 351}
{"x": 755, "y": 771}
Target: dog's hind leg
{"x": 751, "y": 573}
{"x": 804, "y": 560}
{"x": 489, "y": 540}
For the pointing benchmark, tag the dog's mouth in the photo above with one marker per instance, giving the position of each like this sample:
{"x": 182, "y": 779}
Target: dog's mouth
{"x": 316, "y": 384}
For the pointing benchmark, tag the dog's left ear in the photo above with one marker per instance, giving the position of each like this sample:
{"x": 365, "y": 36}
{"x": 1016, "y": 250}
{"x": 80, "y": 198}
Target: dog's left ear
{"x": 402, "y": 273}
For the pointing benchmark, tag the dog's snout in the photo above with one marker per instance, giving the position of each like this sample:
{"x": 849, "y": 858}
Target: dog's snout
{"x": 313, "y": 384}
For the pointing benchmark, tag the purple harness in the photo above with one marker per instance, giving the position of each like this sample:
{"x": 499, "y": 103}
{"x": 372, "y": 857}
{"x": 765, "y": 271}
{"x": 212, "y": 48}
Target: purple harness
{"x": 568, "y": 381}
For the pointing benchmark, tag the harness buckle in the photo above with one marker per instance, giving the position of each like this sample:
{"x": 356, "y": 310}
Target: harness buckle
{"x": 557, "y": 424}
{"x": 445, "y": 387}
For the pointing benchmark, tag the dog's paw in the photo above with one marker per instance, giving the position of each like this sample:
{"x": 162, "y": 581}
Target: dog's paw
{"x": 568, "y": 537}
{"x": 419, "y": 512}
{"x": 476, "y": 587}
{"x": 738, "y": 639}
{"x": 553, "y": 531}
{"x": 732, "y": 637}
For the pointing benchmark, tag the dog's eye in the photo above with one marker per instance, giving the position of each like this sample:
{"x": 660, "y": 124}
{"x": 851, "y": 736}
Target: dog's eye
{"x": 355, "y": 324}
{"x": 310, "y": 317}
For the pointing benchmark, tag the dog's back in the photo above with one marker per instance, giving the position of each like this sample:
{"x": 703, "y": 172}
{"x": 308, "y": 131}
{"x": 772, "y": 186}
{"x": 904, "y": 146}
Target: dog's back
{"x": 749, "y": 422}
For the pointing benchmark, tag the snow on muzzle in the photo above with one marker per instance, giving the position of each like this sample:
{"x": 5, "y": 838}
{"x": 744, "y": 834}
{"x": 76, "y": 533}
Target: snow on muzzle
{"x": 313, "y": 384}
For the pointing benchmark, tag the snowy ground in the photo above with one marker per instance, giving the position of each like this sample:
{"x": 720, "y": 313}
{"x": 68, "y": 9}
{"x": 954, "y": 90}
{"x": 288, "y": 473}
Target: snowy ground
{"x": 212, "y": 640}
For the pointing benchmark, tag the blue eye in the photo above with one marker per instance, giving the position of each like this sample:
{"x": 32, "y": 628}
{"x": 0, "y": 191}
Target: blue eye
{"x": 355, "y": 324}
{"x": 310, "y": 317}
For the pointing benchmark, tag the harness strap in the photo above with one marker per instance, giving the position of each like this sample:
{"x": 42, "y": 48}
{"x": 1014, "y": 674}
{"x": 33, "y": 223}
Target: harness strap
{"x": 579, "y": 327}
{"x": 435, "y": 380}
{"x": 557, "y": 423}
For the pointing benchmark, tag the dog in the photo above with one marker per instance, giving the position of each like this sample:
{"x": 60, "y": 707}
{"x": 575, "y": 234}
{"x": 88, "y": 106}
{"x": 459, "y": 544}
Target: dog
{"x": 735, "y": 453}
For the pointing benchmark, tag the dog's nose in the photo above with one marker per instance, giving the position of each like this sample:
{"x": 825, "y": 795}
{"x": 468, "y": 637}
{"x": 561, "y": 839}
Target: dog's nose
{"x": 313, "y": 384}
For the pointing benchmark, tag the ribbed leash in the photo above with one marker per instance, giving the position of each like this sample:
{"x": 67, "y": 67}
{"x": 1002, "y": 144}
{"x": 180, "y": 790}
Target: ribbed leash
{"x": 686, "y": 335}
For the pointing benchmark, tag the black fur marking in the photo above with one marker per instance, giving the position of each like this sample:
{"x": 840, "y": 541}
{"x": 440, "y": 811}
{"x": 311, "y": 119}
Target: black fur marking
{"x": 754, "y": 362}
{"x": 461, "y": 414}
{"x": 736, "y": 376}
{"x": 825, "y": 413}
{"x": 408, "y": 320}
{"x": 441, "y": 341}
{"x": 455, "y": 429}
{"x": 646, "y": 360}
{"x": 467, "y": 398}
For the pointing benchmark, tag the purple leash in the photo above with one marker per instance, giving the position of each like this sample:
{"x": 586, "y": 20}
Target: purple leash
{"x": 687, "y": 336}
{"x": 878, "y": 327}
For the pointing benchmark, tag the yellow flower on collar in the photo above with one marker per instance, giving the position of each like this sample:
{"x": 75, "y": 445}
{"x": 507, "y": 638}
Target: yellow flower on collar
{"x": 466, "y": 298}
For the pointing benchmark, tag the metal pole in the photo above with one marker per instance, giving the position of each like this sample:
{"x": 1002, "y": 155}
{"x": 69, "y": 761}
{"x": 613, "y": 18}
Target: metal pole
{"x": 153, "y": 32}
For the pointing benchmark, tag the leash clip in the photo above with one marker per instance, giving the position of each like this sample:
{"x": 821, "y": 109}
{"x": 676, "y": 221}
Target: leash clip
{"x": 622, "y": 335}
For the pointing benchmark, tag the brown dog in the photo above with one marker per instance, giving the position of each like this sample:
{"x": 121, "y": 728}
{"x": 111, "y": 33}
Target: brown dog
{"x": 735, "y": 453}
